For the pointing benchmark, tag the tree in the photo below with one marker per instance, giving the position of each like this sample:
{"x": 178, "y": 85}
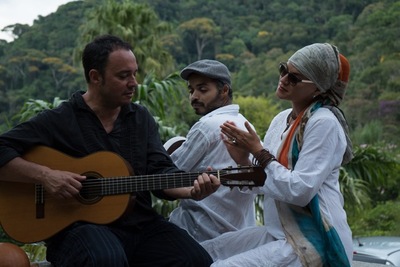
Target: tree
{"x": 24, "y": 64}
{"x": 59, "y": 70}
{"x": 375, "y": 68}
{"x": 201, "y": 32}
{"x": 137, "y": 24}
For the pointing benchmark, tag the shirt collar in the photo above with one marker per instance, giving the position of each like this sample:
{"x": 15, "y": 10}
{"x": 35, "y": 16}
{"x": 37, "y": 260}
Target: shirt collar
{"x": 77, "y": 99}
{"x": 232, "y": 108}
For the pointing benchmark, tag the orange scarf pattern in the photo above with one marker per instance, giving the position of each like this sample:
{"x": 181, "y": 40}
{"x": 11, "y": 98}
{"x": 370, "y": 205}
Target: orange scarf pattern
{"x": 286, "y": 147}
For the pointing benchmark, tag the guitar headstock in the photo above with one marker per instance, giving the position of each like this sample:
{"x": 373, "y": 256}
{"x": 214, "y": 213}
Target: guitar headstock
{"x": 242, "y": 176}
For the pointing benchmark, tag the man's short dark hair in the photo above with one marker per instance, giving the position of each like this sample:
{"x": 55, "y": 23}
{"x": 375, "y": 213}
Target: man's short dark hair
{"x": 95, "y": 54}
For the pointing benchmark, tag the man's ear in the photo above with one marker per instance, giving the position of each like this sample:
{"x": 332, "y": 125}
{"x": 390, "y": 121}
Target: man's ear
{"x": 95, "y": 76}
{"x": 225, "y": 90}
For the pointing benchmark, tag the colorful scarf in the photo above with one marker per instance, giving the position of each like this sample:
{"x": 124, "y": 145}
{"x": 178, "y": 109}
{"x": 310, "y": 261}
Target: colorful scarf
{"x": 314, "y": 240}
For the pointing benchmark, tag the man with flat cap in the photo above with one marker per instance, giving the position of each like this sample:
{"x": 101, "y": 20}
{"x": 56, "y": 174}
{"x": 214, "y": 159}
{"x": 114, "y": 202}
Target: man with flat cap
{"x": 210, "y": 92}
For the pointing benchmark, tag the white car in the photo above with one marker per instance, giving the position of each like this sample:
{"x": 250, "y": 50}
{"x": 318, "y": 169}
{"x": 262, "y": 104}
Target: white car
{"x": 377, "y": 249}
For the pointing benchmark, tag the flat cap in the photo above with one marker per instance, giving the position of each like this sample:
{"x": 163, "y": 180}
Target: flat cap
{"x": 210, "y": 68}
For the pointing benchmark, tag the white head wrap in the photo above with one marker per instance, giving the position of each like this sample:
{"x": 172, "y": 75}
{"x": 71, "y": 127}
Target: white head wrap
{"x": 321, "y": 63}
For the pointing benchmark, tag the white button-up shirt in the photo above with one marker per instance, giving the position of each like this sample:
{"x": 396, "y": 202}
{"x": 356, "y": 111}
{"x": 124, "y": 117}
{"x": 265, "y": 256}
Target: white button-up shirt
{"x": 227, "y": 209}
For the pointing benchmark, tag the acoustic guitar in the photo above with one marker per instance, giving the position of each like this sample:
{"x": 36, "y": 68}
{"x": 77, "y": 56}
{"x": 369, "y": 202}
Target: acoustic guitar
{"x": 29, "y": 214}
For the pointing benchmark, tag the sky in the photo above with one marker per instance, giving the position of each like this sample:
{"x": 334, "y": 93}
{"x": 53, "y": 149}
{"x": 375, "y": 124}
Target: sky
{"x": 25, "y": 12}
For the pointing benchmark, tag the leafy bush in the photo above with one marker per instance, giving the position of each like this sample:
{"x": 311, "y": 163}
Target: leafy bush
{"x": 382, "y": 220}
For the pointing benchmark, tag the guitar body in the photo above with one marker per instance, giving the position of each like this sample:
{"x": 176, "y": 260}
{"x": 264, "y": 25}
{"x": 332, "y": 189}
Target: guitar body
{"x": 24, "y": 220}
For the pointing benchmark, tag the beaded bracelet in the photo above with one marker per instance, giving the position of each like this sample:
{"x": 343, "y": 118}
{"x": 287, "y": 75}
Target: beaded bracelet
{"x": 263, "y": 158}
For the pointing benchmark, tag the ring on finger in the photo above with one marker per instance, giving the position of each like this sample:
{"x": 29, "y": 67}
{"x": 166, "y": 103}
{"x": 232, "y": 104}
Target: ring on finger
{"x": 234, "y": 141}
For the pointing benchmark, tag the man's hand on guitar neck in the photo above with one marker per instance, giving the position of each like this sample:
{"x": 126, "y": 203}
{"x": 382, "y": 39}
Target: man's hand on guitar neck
{"x": 203, "y": 186}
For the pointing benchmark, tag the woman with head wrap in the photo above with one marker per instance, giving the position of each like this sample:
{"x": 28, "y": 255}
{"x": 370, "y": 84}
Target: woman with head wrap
{"x": 303, "y": 150}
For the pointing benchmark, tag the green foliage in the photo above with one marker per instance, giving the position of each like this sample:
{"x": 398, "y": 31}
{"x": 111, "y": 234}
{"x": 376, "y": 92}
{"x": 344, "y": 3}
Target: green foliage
{"x": 355, "y": 192}
{"x": 236, "y": 47}
{"x": 257, "y": 110}
{"x": 158, "y": 95}
{"x": 34, "y": 106}
{"x": 28, "y": 73}
{"x": 137, "y": 24}
{"x": 378, "y": 170}
{"x": 372, "y": 48}
{"x": 259, "y": 205}
{"x": 164, "y": 207}
{"x": 381, "y": 220}
{"x": 256, "y": 36}
{"x": 161, "y": 98}
{"x": 36, "y": 251}
{"x": 199, "y": 31}
{"x": 370, "y": 133}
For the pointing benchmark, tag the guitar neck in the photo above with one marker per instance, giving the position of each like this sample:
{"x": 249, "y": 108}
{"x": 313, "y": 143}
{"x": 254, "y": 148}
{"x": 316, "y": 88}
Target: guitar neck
{"x": 137, "y": 183}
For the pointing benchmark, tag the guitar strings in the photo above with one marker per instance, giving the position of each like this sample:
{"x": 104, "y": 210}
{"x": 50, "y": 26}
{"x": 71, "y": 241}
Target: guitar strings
{"x": 97, "y": 187}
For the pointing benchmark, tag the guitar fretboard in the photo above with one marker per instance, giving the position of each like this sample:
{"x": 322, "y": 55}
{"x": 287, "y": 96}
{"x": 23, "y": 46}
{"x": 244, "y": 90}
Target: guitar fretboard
{"x": 129, "y": 184}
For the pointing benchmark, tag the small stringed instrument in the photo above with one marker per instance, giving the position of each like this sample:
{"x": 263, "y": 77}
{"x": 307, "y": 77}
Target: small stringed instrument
{"x": 29, "y": 214}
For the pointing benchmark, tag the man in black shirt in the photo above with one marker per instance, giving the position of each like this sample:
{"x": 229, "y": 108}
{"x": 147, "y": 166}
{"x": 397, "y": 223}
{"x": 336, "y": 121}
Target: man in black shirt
{"x": 104, "y": 119}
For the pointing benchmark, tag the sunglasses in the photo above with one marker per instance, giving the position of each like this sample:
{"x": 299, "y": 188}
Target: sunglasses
{"x": 292, "y": 78}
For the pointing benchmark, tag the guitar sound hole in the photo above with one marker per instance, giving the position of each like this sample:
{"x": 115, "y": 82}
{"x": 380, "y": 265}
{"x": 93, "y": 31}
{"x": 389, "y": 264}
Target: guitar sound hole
{"x": 91, "y": 188}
